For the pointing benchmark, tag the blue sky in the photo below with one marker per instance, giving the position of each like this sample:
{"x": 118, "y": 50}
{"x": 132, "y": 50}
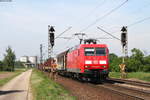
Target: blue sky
{"x": 23, "y": 24}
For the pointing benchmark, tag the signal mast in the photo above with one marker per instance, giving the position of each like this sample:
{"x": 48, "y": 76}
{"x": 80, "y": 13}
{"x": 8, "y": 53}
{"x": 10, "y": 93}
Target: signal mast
{"x": 124, "y": 42}
{"x": 51, "y": 37}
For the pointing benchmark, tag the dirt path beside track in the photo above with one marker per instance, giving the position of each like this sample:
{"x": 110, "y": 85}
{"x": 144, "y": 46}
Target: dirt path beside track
{"x": 17, "y": 88}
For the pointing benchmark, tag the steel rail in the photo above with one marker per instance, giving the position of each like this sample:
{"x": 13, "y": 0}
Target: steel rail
{"x": 126, "y": 96}
{"x": 131, "y": 82}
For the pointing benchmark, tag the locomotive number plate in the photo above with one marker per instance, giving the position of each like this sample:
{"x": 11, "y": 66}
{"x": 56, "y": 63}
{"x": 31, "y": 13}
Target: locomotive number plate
{"x": 95, "y": 62}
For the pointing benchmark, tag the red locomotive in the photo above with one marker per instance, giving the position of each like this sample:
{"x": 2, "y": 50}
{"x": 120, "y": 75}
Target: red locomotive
{"x": 85, "y": 61}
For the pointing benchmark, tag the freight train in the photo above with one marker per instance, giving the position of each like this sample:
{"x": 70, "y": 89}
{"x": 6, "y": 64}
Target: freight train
{"x": 85, "y": 62}
{"x": 46, "y": 66}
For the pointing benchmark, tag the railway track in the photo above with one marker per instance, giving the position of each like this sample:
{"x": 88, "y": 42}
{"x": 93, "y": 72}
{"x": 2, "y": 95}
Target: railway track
{"x": 127, "y": 92}
{"x": 115, "y": 90}
{"x": 130, "y": 82}
{"x": 136, "y": 89}
{"x": 124, "y": 94}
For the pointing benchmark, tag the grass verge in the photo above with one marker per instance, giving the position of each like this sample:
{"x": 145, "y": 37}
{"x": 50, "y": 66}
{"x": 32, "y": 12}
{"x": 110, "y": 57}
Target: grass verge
{"x": 14, "y": 74}
{"x": 137, "y": 75}
{"x": 45, "y": 89}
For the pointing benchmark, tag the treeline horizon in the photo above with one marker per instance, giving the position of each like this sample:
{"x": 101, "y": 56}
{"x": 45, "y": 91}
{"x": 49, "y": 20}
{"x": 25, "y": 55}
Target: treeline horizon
{"x": 136, "y": 62}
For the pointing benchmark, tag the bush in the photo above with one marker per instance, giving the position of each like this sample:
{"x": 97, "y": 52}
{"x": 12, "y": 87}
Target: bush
{"x": 146, "y": 68}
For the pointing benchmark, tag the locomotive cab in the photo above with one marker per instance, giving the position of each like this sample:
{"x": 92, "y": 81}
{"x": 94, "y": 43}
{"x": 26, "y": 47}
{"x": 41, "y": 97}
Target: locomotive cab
{"x": 94, "y": 58}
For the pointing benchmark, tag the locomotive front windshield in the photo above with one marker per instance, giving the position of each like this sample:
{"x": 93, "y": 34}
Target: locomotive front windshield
{"x": 89, "y": 51}
{"x": 95, "y": 51}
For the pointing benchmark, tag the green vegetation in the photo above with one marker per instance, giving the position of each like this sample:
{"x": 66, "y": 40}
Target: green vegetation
{"x": 138, "y": 75}
{"x": 19, "y": 65}
{"x": 137, "y": 62}
{"x": 45, "y": 89}
{"x": 13, "y": 74}
{"x": 137, "y": 65}
{"x": 9, "y": 60}
{"x": 115, "y": 74}
{"x": 9, "y": 63}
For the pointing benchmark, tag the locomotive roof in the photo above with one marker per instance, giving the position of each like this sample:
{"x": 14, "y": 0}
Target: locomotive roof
{"x": 87, "y": 45}
{"x": 93, "y": 45}
{"x": 81, "y": 45}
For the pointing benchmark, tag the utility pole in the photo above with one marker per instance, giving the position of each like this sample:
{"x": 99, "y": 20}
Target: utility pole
{"x": 41, "y": 53}
{"x": 49, "y": 44}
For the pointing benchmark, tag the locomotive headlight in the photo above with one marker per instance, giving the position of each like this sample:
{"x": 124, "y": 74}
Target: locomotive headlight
{"x": 104, "y": 66}
{"x": 87, "y": 66}
{"x": 88, "y": 62}
{"x": 102, "y": 61}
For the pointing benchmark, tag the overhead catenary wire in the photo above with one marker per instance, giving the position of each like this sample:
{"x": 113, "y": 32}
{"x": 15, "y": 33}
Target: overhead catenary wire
{"x": 139, "y": 21}
{"x": 67, "y": 43}
{"x": 130, "y": 25}
{"x": 65, "y": 37}
{"x": 98, "y": 19}
{"x": 92, "y": 11}
{"x": 99, "y": 5}
{"x": 109, "y": 33}
{"x": 104, "y": 38}
{"x": 63, "y": 32}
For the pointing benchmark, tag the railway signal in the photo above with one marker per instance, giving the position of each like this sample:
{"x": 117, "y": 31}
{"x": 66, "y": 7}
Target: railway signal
{"x": 124, "y": 36}
{"x": 51, "y": 39}
{"x": 52, "y": 36}
{"x": 124, "y": 41}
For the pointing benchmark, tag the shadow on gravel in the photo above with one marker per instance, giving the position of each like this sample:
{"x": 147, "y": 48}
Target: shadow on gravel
{"x": 106, "y": 81}
{"x": 10, "y": 91}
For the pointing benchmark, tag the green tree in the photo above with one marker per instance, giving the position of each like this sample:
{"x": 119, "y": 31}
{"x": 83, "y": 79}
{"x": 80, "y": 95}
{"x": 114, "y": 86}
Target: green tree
{"x": 1, "y": 66}
{"x": 112, "y": 56}
{"x": 133, "y": 65}
{"x": 136, "y": 61}
{"x": 114, "y": 61}
{"x": 137, "y": 54}
{"x": 9, "y": 59}
{"x": 146, "y": 64}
